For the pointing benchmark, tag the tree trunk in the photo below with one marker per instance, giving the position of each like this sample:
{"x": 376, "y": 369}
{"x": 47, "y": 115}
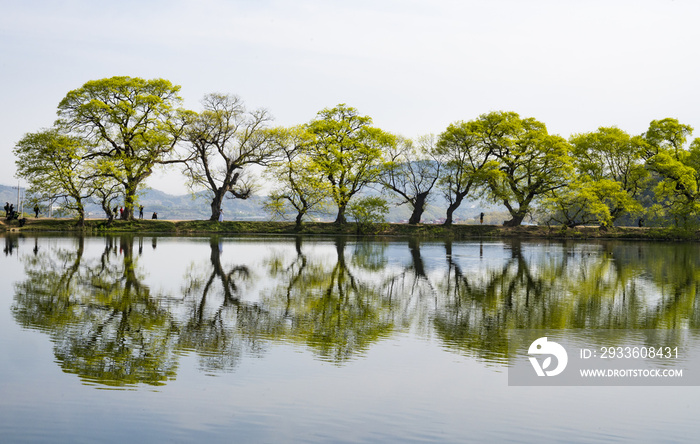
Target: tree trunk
{"x": 340, "y": 219}
{"x": 80, "y": 209}
{"x": 450, "y": 210}
{"x": 129, "y": 201}
{"x": 418, "y": 208}
{"x": 108, "y": 212}
{"x": 297, "y": 221}
{"x": 519, "y": 214}
{"x": 216, "y": 204}
{"x": 516, "y": 220}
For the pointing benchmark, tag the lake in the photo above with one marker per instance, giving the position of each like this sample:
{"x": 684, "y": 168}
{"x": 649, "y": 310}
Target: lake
{"x": 309, "y": 339}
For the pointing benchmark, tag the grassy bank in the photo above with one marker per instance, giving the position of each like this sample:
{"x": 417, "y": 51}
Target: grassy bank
{"x": 194, "y": 227}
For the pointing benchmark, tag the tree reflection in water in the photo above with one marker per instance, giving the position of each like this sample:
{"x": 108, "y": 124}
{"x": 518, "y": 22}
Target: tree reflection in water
{"x": 219, "y": 324}
{"x": 330, "y": 305}
{"x": 105, "y": 324}
{"x": 338, "y": 298}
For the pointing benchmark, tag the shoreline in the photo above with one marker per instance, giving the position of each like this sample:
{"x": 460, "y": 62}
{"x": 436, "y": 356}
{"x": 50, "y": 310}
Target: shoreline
{"x": 458, "y": 231}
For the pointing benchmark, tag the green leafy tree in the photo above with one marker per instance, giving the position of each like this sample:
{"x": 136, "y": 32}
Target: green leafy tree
{"x": 666, "y": 135}
{"x": 412, "y": 172}
{"x": 677, "y": 191}
{"x": 347, "y": 151}
{"x": 131, "y": 124}
{"x": 467, "y": 153}
{"x": 611, "y": 155}
{"x": 367, "y": 211}
{"x": 676, "y": 168}
{"x": 300, "y": 187}
{"x": 531, "y": 163}
{"x": 586, "y": 202}
{"x": 55, "y": 167}
{"x": 224, "y": 141}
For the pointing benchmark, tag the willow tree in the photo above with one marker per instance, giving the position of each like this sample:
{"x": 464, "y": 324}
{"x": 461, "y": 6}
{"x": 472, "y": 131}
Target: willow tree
{"x": 300, "y": 188}
{"x": 224, "y": 141}
{"x": 467, "y": 156}
{"x": 411, "y": 171}
{"x": 347, "y": 151}
{"x": 54, "y": 166}
{"x": 131, "y": 124}
{"x": 612, "y": 162}
{"x": 531, "y": 163}
{"x": 666, "y": 136}
{"x": 676, "y": 167}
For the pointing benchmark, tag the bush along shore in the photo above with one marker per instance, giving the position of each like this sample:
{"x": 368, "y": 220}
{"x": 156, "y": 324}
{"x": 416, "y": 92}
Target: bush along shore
{"x": 198, "y": 227}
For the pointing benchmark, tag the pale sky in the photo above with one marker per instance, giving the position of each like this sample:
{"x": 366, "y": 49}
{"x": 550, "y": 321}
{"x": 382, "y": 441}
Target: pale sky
{"x": 414, "y": 66}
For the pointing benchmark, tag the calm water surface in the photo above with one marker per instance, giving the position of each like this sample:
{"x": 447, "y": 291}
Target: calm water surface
{"x": 225, "y": 339}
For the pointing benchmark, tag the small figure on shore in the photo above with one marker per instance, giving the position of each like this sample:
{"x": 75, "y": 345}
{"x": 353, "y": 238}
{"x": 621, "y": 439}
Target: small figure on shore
{"x": 641, "y": 222}
{"x": 36, "y": 211}
{"x": 221, "y": 215}
{"x": 155, "y": 215}
{"x": 481, "y": 218}
{"x": 7, "y": 208}
{"x": 121, "y": 212}
{"x": 140, "y": 211}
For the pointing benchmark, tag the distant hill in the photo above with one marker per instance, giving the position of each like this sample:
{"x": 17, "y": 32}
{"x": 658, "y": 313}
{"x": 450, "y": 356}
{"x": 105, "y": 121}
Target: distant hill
{"x": 197, "y": 207}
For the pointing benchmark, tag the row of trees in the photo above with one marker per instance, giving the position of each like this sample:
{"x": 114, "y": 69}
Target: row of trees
{"x": 112, "y": 133}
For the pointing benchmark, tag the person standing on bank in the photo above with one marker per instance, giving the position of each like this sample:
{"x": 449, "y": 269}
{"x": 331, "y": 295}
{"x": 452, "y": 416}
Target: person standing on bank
{"x": 36, "y": 211}
{"x": 221, "y": 215}
{"x": 140, "y": 211}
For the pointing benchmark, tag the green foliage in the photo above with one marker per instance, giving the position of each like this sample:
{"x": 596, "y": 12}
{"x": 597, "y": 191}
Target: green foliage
{"x": 611, "y": 172}
{"x": 367, "y": 211}
{"x": 56, "y": 168}
{"x": 666, "y": 135}
{"x": 586, "y": 202}
{"x": 678, "y": 170}
{"x": 346, "y": 151}
{"x": 530, "y": 163}
{"x": 467, "y": 156}
{"x": 300, "y": 186}
{"x": 131, "y": 124}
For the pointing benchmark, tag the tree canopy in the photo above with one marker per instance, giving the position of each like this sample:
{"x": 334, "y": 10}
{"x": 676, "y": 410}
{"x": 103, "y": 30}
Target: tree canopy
{"x": 223, "y": 141}
{"x": 132, "y": 125}
{"x": 55, "y": 167}
{"x": 347, "y": 151}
